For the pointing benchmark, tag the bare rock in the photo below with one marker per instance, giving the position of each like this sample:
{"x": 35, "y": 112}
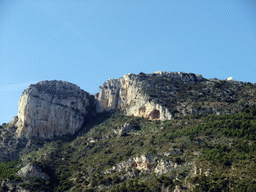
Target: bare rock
{"x": 6, "y": 186}
{"x": 143, "y": 106}
{"x": 200, "y": 171}
{"x": 177, "y": 189}
{"x": 31, "y": 170}
{"x": 142, "y": 163}
{"x": 126, "y": 128}
{"x": 117, "y": 93}
{"x": 164, "y": 166}
{"x": 51, "y": 108}
{"x": 125, "y": 94}
{"x": 13, "y": 122}
{"x": 145, "y": 163}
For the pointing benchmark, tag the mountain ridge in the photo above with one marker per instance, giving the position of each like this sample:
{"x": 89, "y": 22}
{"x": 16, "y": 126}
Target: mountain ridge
{"x": 207, "y": 144}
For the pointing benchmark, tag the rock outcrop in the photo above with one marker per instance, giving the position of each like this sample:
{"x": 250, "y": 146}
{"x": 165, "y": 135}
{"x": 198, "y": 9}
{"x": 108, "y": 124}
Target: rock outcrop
{"x": 51, "y": 108}
{"x": 117, "y": 93}
{"x": 7, "y": 185}
{"x": 126, "y": 128}
{"x": 31, "y": 170}
{"x": 145, "y": 163}
{"x": 56, "y": 108}
{"x": 180, "y": 75}
{"x": 142, "y": 163}
{"x": 13, "y": 122}
{"x": 126, "y": 94}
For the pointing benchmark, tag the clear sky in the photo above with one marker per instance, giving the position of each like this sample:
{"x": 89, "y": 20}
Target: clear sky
{"x": 86, "y": 42}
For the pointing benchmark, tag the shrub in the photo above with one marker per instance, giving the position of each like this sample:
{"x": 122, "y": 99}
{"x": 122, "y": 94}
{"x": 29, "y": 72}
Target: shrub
{"x": 129, "y": 152}
{"x": 178, "y": 160}
{"x": 116, "y": 179}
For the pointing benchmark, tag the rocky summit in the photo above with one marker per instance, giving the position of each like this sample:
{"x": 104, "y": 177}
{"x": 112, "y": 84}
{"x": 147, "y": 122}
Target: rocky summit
{"x": 126, "y": 93}
{"x": 51, "y": 108}
{"x": 55, "y": 108}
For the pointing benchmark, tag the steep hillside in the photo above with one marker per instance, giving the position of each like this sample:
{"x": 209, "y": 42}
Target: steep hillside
{"x": 208, "y": 143}
{"x": 183, "y": 97}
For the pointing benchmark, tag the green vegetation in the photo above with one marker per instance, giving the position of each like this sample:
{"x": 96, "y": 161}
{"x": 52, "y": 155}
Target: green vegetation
{"x": 8, "y": 169}
{"x": 209, "y": 152}
{"x": 226, "y": 142}
{"x": 198, "y": 97}
{"x": 140, "y": 186}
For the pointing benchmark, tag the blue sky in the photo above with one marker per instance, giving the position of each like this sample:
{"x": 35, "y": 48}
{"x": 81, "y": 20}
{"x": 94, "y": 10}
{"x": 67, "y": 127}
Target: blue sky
{"x": 88, "y": 42}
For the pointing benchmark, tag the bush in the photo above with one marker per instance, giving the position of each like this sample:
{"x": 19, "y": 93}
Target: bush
{"x": 178, "y": 160}
{"x": 129, "y": 152}
{"x": 8, "y": 169}
{"x": 116, "y": 179}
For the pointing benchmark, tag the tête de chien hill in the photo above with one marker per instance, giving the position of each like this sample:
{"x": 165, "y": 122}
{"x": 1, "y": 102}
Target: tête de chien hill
{"x": 166, "y": 131}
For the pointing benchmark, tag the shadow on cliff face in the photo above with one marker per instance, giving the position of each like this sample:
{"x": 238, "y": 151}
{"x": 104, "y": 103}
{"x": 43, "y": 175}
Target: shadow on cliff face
{"x": 90, "y": 122}
{"x": 91, "y": 119}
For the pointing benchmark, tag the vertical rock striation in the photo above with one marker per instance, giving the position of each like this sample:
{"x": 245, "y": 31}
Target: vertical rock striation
{"x": 51, "y": 108}
{"x": 126, "y": 94}
{"x": 56, "y": 108}
{"x": 117, "y": 93}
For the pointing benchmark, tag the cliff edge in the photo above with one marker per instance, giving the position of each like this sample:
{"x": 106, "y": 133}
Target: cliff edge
{"x": 126, "y": 93}
{"x": 51, "y": 108}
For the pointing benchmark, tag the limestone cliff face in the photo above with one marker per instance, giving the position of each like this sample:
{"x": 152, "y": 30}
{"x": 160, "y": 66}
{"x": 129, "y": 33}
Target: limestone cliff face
{"x": 126, "y": 94}
{"x": 117, "y": 93}
{"x": 51, "y": 108}
{"x": 55, "y": 108}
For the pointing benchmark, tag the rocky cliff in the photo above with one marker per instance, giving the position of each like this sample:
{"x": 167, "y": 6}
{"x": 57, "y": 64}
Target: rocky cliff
{"x": 117, "y": 93}
{"x": 55, "y": 108}
{"x": 127, "y": 94}
{"x": 51, "y": 108}
{"x": 212, "y": 137}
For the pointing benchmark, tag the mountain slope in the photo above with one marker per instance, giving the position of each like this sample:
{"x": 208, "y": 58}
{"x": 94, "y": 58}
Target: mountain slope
{"x": 209, "y": 144}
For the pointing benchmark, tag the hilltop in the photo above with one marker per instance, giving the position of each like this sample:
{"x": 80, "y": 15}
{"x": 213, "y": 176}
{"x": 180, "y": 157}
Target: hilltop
{"x": 167, "y": 131}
